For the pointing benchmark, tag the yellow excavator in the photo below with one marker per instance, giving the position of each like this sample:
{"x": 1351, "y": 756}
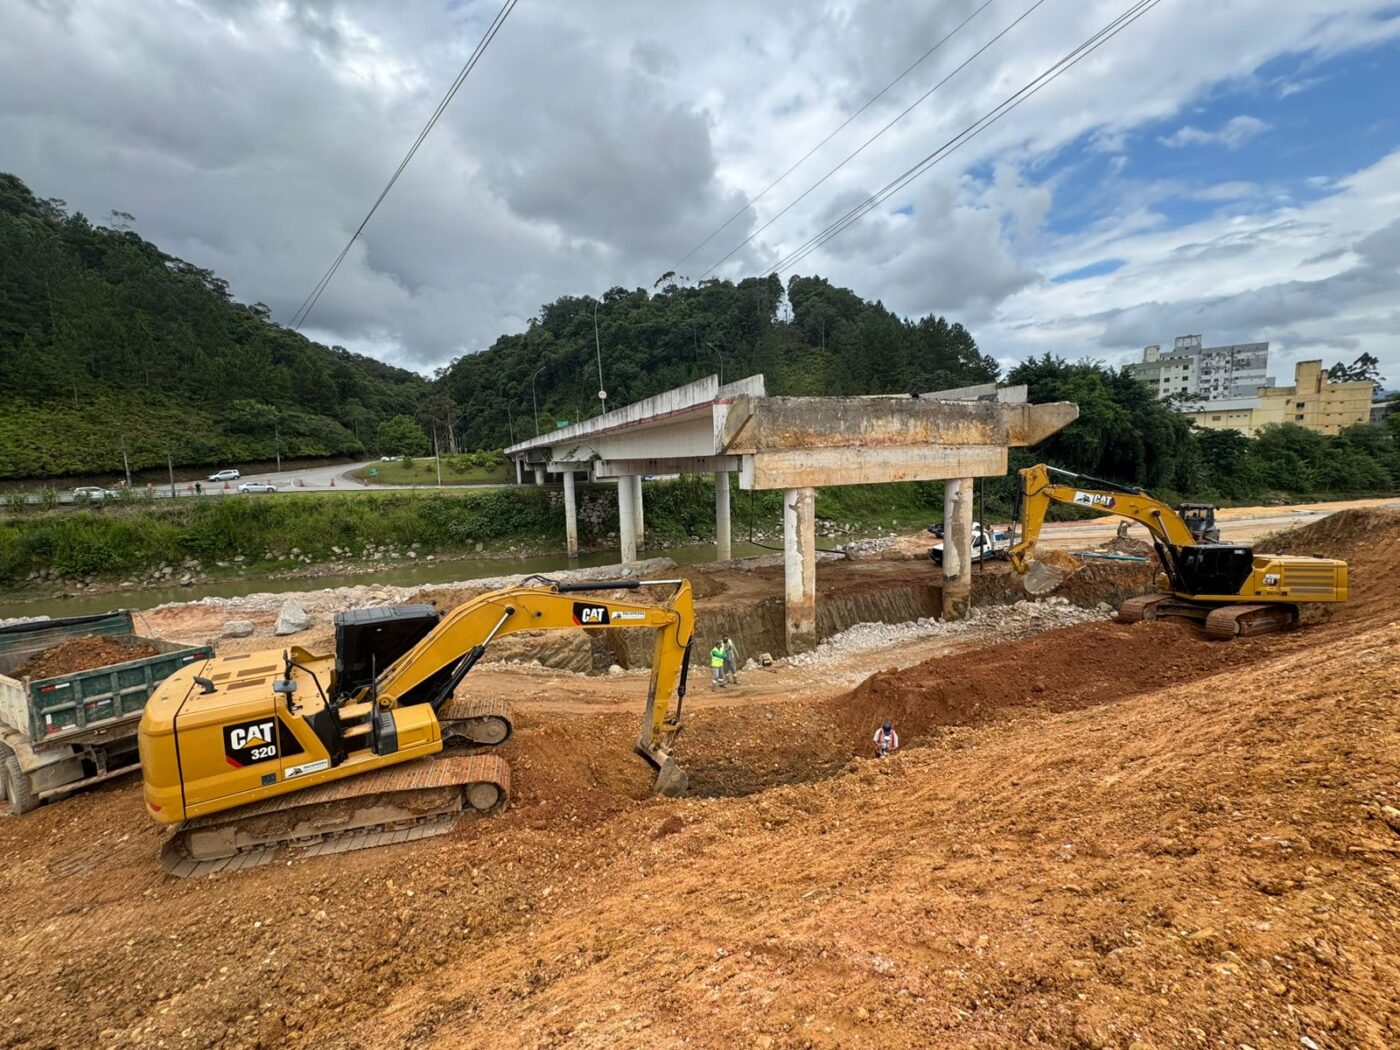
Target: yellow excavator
{"x": 1229, "y": 588}
{"x": 249, "y": 754}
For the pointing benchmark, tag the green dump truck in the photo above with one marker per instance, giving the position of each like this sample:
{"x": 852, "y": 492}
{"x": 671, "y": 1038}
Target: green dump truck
{"x": 63, "y": 733}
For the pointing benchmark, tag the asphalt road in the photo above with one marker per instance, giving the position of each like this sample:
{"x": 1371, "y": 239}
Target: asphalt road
{"x": 338, "y": 477}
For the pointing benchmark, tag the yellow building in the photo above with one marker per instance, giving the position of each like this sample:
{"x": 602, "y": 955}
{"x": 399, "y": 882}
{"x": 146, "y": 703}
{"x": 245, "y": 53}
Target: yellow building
{"x": 1310, "y": 402}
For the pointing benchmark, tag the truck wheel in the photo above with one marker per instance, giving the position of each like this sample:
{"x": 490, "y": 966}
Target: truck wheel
{"x": 17, "y": 792}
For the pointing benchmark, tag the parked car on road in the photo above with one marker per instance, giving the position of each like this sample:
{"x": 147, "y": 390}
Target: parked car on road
{"x": 257, "y": 486}
{"x": 225, "y": 475}
{"x": 95, "y": 493}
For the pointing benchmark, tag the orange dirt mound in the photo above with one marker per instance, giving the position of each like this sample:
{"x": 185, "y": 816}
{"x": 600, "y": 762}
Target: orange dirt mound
{"x": 83, "y": 654}
{"x": 1368, "y": 540}
{"x": 1063, "y": 670}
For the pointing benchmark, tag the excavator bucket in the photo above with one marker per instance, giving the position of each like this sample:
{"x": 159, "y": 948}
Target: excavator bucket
{"x": 671, "y": 780}
{"x": 1046, "y": 574}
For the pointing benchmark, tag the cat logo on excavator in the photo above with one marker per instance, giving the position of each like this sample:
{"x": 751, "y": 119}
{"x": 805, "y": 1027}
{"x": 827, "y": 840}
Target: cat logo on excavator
{"x": 586, "y": 615}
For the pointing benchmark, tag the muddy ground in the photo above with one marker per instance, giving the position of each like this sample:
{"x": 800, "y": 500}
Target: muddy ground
{"x": 1096, "y": 836}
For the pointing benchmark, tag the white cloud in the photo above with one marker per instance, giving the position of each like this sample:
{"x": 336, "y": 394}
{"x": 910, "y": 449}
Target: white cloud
{"x": 1233, "y": 134}
{"x": 1227, "y": 191}
{"x": 1315, "y": 279}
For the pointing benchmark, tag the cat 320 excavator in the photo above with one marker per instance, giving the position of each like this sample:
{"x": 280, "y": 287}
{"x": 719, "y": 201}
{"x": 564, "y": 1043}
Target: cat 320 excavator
{"x": 1229, "y": 588}
{"x": 252, "y": 753}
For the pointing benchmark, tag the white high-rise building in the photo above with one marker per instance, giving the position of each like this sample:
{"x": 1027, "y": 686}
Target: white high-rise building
{"x": 1204, "y": 373}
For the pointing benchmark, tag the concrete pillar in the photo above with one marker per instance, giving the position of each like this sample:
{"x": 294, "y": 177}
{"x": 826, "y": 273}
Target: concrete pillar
{"x": 627, "y": 518}
{"x": 539, "y": 475}
{"x": 637, "y": 505}
{"x": 957, "y": 548}
{"x": 724, "y": 550}
{"x": 519, "y": 472}
{"x": 800, "y": 569}
{"x": 570, "y": 516}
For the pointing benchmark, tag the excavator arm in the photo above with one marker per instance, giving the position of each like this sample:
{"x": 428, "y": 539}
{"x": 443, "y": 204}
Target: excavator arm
{"x": 1038, "y": 491}
{"x": 462, "y": 637}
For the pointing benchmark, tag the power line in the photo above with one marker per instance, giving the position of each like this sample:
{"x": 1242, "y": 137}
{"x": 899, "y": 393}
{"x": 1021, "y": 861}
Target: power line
{"x": 869, "y": 102}
{"x": 917, "y": 102}
{"x": 1051, "y": 73}
{"x": 309, "y": 303}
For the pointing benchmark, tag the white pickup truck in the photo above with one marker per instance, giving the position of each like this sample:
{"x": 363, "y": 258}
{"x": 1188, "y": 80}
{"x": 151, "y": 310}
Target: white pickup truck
{"x": 986, "y": 544}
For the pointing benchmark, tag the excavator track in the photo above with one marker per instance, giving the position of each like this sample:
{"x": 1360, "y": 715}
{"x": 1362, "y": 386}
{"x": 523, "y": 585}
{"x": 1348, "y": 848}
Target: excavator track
{"x": 467, "y": 721}
{"x": 1143, "y": 607}
{"x": 410, "y": 801}
{"x": 1244, "y": 621}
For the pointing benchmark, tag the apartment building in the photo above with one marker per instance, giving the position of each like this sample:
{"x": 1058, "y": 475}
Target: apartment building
{"x": 1312, "y": 401}
{"x": 1205, "y": 373}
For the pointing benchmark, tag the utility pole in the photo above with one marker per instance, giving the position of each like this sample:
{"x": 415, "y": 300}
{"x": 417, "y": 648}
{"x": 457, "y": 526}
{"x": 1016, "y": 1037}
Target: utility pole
{"x": 437, "y": 454}
{"x": 126, "y": 463}
{"x": 510, "y": 421}
{"x": 277, "y": 441}
{"x": 170, "y": 466}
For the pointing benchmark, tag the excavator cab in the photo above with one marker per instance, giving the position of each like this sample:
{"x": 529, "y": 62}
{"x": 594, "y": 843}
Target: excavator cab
{"x": 1200, "y": 519}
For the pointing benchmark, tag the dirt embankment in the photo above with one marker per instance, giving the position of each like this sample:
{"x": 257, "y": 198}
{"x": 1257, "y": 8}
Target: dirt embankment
{"x": 1369, "y": 541}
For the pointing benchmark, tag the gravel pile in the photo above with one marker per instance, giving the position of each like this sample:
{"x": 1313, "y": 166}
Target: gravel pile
{"x": 1001, "y": 623}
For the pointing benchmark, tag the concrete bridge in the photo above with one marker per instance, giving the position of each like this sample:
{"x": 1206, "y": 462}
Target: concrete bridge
{"x": 797, "y": 444}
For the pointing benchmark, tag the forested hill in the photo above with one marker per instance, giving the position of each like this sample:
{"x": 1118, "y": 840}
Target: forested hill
{"x": 816, "y": 339}
{"x": 105, "y": 340}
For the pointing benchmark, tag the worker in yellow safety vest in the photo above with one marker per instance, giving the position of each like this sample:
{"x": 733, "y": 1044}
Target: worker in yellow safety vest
{"x": 717, "y": 666}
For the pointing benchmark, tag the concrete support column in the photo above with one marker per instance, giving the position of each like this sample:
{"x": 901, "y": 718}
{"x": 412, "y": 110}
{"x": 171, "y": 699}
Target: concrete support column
{"x": 570, "y": 516}
{"x": 519, "y": 472}
{"x": 800, "y": 569}
{"x": 957, "y": 548}
{"x": 627, "y": 519}
{"x": 724, "y": 549}
{"x": 637, "y": 504}
{"x": 539, "y": 475}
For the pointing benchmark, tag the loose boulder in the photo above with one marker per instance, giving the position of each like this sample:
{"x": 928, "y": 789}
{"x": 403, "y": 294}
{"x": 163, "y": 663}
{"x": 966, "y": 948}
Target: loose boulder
{"x": 291, "y": 619}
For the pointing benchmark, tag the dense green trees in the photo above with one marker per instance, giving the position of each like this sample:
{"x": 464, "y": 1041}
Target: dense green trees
{"x": 103, "y": 333}
{"x": 831, "y": 341}
{"x": 401, "y": 436}
{"x": 107, "y": 344}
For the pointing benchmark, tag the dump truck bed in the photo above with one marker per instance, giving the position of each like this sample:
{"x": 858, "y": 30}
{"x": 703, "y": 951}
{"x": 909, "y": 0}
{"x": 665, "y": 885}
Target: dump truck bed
{"x": 98, "y": 703}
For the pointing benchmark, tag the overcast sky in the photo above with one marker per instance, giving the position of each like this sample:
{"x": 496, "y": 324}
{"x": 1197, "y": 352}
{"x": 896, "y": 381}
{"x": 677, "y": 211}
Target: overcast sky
{"x": 1222, "y": 167}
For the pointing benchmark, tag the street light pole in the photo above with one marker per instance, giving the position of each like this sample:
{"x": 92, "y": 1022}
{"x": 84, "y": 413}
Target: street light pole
{"x": 534, "y": 400}
{"x": 721, "y": 361}
{"x": 598, "y": 348}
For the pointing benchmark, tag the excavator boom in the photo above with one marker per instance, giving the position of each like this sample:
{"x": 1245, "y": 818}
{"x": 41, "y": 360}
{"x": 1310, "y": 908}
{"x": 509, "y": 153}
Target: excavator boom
{"x": 1038, "y": 491}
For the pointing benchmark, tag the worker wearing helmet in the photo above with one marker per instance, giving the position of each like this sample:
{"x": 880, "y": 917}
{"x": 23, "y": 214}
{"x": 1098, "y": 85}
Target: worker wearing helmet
{"x": 717, "y": 665}
{"x": 886, "y": 740}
